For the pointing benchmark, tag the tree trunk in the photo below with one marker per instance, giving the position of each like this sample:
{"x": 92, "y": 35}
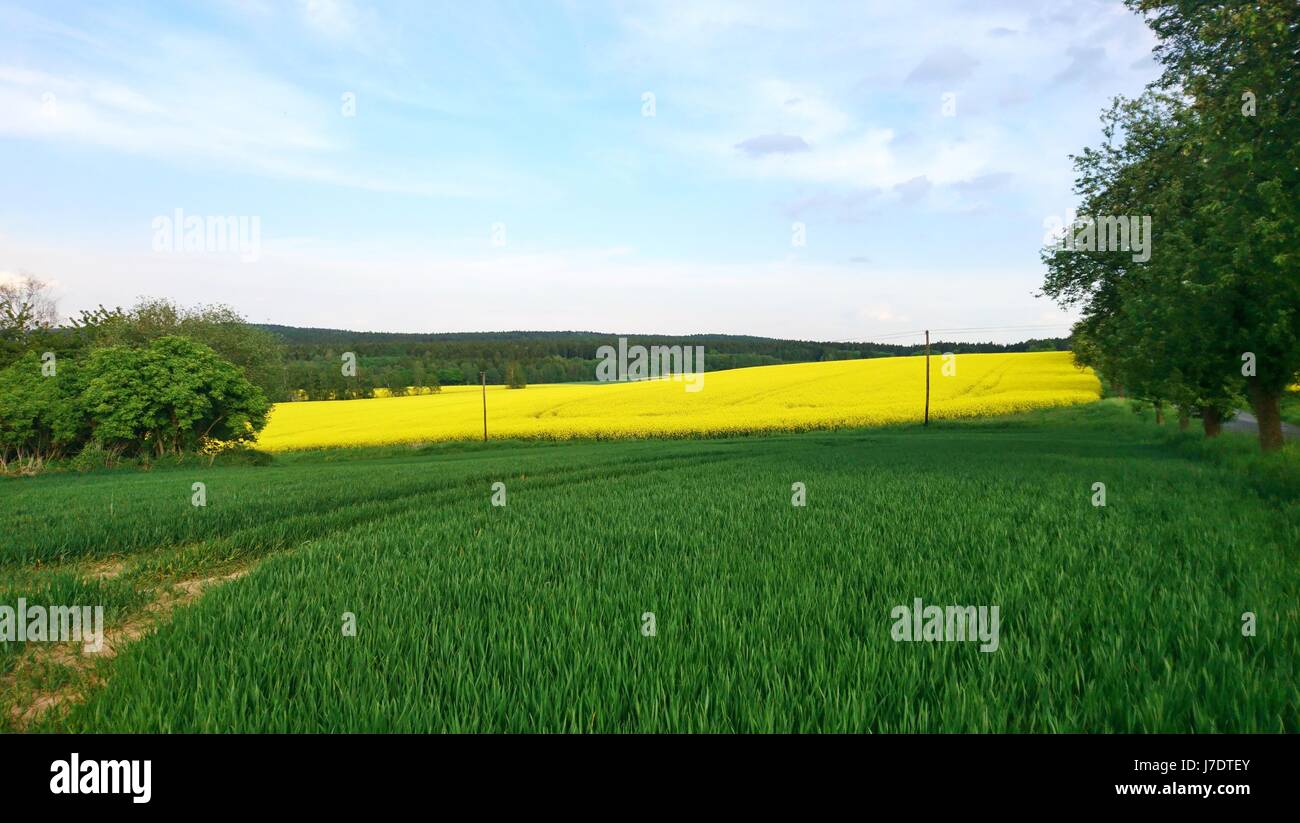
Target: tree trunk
{"x": 1184, "y": 418}
{"x": 1213, "y": 421}
{"x": 1267, "y": 406}
{"x": 1160, "y": 413}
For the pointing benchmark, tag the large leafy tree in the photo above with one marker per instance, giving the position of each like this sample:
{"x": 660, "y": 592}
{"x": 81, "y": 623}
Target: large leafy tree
{"x": 1210, "y": 152}
{"x": 169, "y": 396}
{"x": 257, "y": 352}
{"x": 41, "y": 414}
{"x": 1237, "y": 64}
{"x": 1146, "y": 325}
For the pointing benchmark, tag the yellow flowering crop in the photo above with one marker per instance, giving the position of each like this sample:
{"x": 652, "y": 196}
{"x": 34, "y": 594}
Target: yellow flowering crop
{"x": 796, "y": 397}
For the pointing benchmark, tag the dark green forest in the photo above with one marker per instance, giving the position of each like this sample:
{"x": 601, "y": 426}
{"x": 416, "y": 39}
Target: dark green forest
{"x": 395, "y": 361}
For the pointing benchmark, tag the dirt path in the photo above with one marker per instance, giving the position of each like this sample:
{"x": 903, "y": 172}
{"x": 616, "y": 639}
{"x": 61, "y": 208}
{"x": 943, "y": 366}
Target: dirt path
{"x": 74, "y": 659}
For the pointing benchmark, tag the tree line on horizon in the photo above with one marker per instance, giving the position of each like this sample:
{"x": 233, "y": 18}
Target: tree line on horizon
{"x": 393, "y": 361}
{"x": 1210, "y": 153}
{"x": 161, "y": 378}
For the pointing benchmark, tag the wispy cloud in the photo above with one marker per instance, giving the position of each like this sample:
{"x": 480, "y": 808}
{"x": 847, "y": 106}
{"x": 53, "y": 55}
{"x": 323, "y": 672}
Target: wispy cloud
{"x": 949, "y": 65}
{"x": 530, "y": 116}
{"x": 194, "y": 100}
{"x": 772, "y": 144}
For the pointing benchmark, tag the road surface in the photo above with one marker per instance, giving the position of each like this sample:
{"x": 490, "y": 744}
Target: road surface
{"x": 1246, "y": 422}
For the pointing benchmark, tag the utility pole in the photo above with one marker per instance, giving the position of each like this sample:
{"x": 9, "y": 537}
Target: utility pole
{"x": 927, "y": 378}
{"x": 483, "y": 377}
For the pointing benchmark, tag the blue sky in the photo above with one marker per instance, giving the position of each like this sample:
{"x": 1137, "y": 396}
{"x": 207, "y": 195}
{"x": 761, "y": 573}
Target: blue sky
{"x": 532, "y": 116}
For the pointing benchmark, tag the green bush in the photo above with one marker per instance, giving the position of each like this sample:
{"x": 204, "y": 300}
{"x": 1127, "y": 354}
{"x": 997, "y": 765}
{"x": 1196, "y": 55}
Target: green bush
{"x": 169, "y": 397}
{"x": 41, "y": 416}
{"x": 94, "y": 456}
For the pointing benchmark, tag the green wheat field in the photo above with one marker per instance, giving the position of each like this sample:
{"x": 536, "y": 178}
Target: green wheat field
{"x": 529, "y": 617}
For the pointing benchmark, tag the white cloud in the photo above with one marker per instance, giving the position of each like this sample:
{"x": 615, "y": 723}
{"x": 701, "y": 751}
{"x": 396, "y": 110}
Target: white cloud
{"x": 333, "y": 18}
{"x": 946, "y": 66}
{"x": 520, "y": 116}
{"x": 849, "y": 83}
{"x": 204, "y": 103}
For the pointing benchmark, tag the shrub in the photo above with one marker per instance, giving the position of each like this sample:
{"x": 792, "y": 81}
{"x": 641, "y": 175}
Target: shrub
{"x": 41, "y": 416}
{"x": 169, "y": 397}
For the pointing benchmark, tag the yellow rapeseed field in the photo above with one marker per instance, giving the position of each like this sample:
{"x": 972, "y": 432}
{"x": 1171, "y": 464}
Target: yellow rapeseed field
{"x": 796, "y": 397}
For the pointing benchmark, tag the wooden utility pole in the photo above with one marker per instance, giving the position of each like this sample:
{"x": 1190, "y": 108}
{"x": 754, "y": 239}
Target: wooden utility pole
{"x": 483, "y": 376}
{"x": 927, "y": 377}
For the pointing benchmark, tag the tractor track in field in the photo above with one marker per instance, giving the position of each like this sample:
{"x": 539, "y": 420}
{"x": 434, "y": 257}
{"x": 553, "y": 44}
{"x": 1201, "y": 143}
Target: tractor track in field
{"x": 56, "y": 676}
{"x": 73, "y": 659}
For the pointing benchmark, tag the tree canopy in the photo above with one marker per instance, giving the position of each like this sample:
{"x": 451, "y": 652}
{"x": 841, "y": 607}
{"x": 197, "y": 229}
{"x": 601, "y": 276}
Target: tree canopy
{"x": 1210, "y": 154}
{"x": 170, "y": 396}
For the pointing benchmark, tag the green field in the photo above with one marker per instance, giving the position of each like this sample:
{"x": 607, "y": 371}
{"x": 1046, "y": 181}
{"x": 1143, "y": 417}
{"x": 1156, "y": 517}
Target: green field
{"x": 769, "y": 617}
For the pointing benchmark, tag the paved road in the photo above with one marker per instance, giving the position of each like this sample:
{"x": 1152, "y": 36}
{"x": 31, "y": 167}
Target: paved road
{"x": 1246, "y": 422}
